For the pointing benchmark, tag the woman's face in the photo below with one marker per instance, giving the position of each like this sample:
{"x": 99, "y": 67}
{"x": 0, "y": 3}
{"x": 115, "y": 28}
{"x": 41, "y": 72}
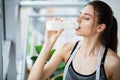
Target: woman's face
{"x": 87, "y": 22}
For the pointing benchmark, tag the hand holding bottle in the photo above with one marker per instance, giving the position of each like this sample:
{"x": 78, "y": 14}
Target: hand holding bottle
{"x": 52, "y": 35}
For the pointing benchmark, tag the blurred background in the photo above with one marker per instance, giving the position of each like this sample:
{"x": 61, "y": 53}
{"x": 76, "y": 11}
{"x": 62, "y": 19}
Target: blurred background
{"x": 22, "y": 30}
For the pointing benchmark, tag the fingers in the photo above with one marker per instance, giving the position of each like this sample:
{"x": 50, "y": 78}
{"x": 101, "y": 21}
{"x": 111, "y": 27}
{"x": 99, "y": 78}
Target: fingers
{"x": 58, "y": 19}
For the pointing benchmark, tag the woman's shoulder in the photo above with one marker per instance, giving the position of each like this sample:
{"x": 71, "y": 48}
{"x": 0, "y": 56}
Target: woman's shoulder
{"x": 66, "y": 49}
{"x": 113, "y": 61}
{"x": 113, "y": 56}
{"x": 67, "y": 46}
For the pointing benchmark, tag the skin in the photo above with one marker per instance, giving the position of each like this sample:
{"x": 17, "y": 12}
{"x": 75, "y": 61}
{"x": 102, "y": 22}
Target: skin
{"x": 85, "y": 60}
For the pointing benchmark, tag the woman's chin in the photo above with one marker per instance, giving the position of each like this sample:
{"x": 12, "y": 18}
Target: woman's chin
{"x": 77, "y": 33}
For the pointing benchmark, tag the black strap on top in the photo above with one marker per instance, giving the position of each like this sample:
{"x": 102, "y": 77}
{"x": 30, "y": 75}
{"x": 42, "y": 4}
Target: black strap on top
{"x": 104, "y": 55}
{"x": 75, "y": 46}
{"x": 73, "y": 50}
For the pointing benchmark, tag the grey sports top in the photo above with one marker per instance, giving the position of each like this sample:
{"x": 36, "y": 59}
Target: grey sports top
{"x": 73, "y": 75}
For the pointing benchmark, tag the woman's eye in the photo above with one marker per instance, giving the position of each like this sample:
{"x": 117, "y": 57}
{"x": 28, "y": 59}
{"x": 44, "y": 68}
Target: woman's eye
{"x": 87, "y": 18}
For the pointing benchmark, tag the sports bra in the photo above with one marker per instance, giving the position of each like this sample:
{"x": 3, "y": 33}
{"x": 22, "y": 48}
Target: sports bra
{"x": 73, "y": 75}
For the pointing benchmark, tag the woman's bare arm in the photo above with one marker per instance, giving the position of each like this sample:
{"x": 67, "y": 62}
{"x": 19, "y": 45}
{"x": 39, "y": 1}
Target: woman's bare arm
{"x": 60, "y": 55}
{"x": 38, "y": 68}
{"x": 56, "y": 59}
{"x": 40, "y": 71}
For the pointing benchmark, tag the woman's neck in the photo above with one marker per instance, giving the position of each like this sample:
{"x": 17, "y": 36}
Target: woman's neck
{"x": 91, "y": 46}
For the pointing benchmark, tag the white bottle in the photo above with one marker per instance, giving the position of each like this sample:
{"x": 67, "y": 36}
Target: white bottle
{"x": 56, "y": 25}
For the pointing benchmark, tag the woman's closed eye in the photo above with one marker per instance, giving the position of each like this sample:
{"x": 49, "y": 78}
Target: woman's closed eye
{"x": 86, "y": 18}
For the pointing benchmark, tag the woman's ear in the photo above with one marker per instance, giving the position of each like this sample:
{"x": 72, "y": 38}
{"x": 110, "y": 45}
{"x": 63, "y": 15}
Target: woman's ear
{"x": 101, "y": 27}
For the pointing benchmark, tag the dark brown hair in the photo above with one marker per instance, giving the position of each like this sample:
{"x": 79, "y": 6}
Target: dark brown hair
{"x": 105, "y": 15}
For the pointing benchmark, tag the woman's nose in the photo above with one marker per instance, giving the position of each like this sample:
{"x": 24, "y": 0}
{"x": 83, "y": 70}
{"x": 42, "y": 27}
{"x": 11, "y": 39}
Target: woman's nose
{"x": 79, "y": 20}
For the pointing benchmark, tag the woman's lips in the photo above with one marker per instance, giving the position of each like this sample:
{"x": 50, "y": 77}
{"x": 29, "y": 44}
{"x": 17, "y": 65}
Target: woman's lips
{"x": 78, "y": 28}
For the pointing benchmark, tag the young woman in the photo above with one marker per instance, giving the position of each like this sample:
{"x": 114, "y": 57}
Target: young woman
{"x": 96, "y": 53}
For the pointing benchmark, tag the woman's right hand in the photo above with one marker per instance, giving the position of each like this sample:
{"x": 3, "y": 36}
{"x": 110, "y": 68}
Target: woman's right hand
{"x": 52, "y": 36}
